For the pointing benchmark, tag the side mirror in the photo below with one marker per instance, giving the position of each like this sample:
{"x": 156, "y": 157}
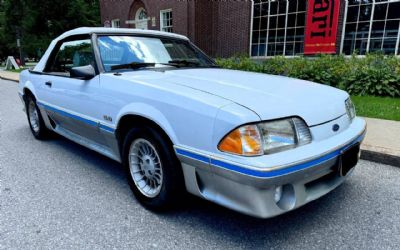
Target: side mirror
{"x": 83, "y": 72}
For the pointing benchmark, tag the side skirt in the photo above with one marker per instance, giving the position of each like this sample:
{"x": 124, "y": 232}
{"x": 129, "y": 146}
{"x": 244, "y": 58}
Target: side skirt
{"x": 106, "y": 151}
{"x": 87, "y": 143}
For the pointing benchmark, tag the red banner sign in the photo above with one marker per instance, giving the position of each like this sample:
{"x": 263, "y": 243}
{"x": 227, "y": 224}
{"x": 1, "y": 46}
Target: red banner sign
{"x": 321, "y": 27}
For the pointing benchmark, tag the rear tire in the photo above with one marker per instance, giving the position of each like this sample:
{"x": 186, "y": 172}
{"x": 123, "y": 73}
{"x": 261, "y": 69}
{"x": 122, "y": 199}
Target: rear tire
{"x": 35, "y": 119}
{"x": 154, "y": 173}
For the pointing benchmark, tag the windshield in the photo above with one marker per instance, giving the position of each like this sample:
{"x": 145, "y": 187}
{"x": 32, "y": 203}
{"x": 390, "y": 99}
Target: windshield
{"x": 119, "y": 50}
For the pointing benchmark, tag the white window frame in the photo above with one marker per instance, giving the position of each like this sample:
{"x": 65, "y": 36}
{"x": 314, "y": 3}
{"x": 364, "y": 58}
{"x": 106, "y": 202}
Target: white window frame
{"x": 163, "y": 27}
{"x": 115, "y": 23}
{"x": 269, "y": 15}
{"x": 374, "y": 4}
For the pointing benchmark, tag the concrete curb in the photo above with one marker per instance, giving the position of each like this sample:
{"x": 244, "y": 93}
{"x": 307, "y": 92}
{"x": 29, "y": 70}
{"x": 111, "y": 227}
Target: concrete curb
{"x": 379, "y": 157}
{"x": 9, "y": 76}
{"x": 8, "y": 79}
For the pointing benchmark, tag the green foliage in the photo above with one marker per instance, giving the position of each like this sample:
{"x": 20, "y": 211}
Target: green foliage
{"x": 374, "y": 74}
{"x": 39, "y": 21}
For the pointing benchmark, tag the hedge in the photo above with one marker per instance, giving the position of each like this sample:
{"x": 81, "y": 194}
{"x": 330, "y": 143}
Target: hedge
{"x": 374, "y": 74}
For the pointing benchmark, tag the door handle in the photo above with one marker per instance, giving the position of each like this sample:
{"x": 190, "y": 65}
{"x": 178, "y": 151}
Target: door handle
{"x": 49, "y": 83}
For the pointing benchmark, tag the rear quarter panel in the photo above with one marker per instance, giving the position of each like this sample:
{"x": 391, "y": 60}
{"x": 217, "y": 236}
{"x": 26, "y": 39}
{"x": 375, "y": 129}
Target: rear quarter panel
{"x": 32, "y": 82}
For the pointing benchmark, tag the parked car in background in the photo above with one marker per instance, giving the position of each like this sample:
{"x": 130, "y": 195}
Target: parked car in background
{"x": 259, "y": 144}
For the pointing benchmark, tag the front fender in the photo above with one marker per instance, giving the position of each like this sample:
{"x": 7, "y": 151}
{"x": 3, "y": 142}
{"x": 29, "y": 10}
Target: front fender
{"x": 230, "y": 117}
{"x": 151, "y": 113}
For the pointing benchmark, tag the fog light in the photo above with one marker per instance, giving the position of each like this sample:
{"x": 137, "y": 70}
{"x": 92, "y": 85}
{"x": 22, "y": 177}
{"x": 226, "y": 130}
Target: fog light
{"x": 278, "y": 194}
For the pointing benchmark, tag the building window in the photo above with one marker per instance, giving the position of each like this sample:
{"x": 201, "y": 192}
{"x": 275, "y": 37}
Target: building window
{"x": 278, "y": 27}
{"x": 115, "y": 23}
{"x": 371, "y": 26}
{"x": 166, "y": 20}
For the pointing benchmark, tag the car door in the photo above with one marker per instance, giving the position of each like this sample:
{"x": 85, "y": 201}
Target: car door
{"x": 71, "y": 102}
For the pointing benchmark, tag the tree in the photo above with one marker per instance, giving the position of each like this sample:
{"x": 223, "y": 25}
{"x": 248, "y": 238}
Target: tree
{"x": 40, "y": 21}
{"x": 2, "y": 30}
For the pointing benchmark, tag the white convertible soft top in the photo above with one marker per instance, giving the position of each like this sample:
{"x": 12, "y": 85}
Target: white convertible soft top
{"x": 100, "y": 30}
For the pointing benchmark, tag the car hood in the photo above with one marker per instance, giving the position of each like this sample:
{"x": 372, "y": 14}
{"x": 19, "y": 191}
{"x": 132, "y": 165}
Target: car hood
{"x": 269, "y": 96}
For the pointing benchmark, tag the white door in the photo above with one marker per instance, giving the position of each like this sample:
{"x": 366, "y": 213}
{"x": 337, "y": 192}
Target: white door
{"x": 141, "y": 19}
{"x": 70, "y": 102}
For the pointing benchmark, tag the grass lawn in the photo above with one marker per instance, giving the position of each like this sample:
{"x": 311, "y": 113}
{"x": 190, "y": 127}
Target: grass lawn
{"x": 377, "y": 107}
{"x": 16, "y": 70}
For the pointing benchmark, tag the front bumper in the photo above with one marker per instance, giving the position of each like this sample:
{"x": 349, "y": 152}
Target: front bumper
{"x": 251, "y": 190}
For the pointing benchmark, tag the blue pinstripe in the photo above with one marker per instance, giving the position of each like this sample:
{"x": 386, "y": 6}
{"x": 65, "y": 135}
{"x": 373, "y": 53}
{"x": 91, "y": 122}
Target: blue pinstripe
{"x": 78, "y": 118}
{"x": 272, "y": 173}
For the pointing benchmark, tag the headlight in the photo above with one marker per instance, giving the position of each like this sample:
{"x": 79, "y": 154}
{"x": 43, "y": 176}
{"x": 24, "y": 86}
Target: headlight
{"x": 284, "y": 134}
{"x": 266, "y": 137}
{"x": 350, "y": 109}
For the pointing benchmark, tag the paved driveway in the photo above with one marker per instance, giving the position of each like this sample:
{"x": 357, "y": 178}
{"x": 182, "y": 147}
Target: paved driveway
{"x": 58, "y": 195}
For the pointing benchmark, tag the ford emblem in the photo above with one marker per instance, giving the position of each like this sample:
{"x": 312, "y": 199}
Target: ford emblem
{"x": 335, "y": 127}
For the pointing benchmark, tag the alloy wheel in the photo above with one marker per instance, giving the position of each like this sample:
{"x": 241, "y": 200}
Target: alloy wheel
{"x": 145, "y": 167}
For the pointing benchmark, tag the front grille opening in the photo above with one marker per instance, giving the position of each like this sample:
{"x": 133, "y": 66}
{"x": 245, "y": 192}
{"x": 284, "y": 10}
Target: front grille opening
{"x": 324, "y": 180}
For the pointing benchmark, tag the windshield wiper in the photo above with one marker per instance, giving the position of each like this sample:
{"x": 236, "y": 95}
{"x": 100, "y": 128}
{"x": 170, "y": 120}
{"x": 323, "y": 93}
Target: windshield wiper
{"x": 212, "y": 66}
{"x": 138, "y": 65}
{"x": 180, "y": 63}
{"x": 183, "y": 63}
{"x": 173, "y": 63}
{"x": 132, "y": 65}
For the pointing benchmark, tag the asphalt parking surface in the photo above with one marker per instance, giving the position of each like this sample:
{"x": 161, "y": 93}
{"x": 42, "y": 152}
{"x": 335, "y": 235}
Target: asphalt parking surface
{"x": 58, "y": 195}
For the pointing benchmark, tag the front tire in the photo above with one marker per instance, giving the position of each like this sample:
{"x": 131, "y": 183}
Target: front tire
{"x": 35, "y": 119}
{"x": 153, "y": 170}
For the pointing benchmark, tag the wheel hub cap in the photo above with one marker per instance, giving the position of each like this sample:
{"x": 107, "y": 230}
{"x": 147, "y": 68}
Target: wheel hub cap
{"x": 33, "y": 116}
{"x": 148, "y": 166}
{"x": 145, "y": 167}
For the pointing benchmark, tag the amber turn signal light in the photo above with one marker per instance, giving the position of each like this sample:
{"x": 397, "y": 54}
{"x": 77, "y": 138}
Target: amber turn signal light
{"x": 245, "y": 140}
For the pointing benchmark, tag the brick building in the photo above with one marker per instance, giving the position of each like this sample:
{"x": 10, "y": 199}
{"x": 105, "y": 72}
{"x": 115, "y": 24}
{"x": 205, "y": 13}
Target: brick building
{"x": 209, "y": 24}
{"x": 262, "y": 28}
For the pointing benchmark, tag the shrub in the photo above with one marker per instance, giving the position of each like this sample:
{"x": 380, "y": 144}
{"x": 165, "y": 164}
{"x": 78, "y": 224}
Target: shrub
{"x": 374, "y": 74}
